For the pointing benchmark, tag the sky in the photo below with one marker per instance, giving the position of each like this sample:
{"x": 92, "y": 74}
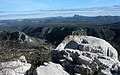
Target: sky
{"x": 17, "y": 9}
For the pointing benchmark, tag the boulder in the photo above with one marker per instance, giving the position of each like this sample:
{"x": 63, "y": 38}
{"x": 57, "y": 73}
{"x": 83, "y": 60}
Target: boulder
{"x": 15, "y": 67}
{"x": 50, "y": 69}
{"x": 88, "y": 43}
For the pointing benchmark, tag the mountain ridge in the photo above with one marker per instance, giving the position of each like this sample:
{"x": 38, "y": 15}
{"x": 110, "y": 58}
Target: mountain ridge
{"x": 66, "y": 20}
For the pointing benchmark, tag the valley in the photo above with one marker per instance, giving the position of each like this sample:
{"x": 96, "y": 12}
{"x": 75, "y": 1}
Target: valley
{"x": 36, "y": 38}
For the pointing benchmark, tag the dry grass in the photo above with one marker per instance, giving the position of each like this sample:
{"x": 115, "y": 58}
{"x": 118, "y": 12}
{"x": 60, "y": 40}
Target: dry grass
{"x": 9, "y": 55}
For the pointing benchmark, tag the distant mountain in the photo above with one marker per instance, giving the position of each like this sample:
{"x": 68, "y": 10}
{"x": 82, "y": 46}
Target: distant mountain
{"x": 76, "y": 19}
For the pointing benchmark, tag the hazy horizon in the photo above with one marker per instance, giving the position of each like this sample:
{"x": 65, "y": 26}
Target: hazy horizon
{"x": 25, "y": 9}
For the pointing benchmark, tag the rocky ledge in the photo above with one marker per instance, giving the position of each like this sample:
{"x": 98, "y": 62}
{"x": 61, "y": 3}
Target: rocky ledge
{"x": 50, "y": 69}
{"x": 15, "y": 67}
{"x": 82, "y": 55}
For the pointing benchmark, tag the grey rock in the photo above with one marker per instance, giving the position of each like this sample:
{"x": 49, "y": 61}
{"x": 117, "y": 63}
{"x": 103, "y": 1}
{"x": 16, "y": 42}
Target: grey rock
{"x": 16, "y": 67}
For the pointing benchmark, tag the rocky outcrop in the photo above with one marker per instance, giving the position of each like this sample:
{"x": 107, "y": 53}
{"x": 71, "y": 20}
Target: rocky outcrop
{"x": 87, "y": 55}
{"x": 89, "y": 44}
{"x": 50, "y": 69}
{"x": 15, "y": 67}
{"x": 15, "y": 36}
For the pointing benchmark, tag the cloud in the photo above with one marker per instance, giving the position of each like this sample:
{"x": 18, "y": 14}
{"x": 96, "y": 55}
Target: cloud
{"x": 113, "y": 8}
{"x": 94, "y": 11}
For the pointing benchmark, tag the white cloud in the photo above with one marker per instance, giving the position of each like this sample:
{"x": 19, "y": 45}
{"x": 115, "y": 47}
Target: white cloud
{"x": 95, "y": 11}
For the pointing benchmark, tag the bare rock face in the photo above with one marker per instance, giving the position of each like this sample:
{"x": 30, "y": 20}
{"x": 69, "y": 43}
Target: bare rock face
{"x": 50, "y": 69}
{"x": 15, "y": 36}
{"x": 17, "y": 67}
{"x": 89, "y": 44}
{"x": 87, "y": 55}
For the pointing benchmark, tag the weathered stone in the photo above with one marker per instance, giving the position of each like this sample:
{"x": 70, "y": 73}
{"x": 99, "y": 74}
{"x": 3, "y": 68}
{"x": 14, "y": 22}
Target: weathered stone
{"x": 94, "y": 66}
{"x": 14, "y": 67}
{"x": 50, "y": 69}
{"x": 83, "y": 70}
{"x": 84, "y": 60}
{"x": 94, "y": 45}
{"x": 95, "y": 54}
{"x": 87, "y": 55}
{"x": 104, "y": 72}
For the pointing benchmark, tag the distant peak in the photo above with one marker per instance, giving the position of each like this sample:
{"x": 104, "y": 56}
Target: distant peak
{"x": 76, "y": 15}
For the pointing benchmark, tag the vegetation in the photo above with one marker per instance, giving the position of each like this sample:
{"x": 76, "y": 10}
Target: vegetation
{"x": 47, "y": 33}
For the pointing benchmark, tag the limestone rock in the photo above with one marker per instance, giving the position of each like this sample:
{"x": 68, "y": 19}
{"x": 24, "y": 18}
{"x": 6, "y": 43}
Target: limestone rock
{"x": 104, "y": 72}
{"x": 50, "y": 69}
{"x": 88, "y": 43}
{"x": 16, "y": 67}
{"x": 87, "y": 55}
{"x": 82, "y": 69}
